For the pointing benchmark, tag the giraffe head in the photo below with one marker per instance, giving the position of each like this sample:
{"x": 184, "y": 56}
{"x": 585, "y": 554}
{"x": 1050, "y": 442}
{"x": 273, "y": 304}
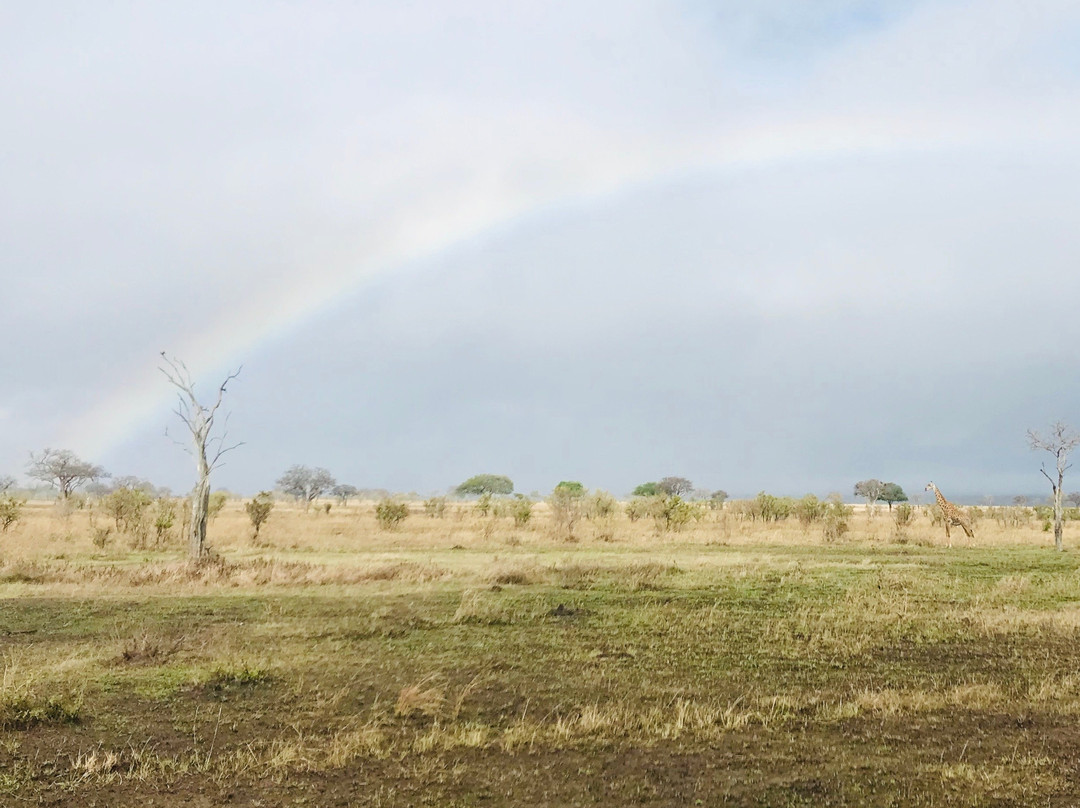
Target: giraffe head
{"x": 930, "y": 486}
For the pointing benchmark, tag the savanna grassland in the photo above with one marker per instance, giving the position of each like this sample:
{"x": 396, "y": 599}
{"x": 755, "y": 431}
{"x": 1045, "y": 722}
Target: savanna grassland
{"x": 464, "y": 660}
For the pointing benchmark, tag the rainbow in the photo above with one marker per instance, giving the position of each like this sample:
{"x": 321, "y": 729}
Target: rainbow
{"x": 469, "y": 215}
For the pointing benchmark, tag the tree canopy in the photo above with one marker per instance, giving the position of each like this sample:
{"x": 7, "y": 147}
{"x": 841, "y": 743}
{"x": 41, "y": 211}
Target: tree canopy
{"x": 890, "y": 493}
{"x": 646, "y": 490}
{"x": 306, "y": 484}
{"x": 480, "y": 484}
{"x": 870, "y": 490}
{"x": 343, "y": 493}
{"x": 675, "y": 486}
{"x": 63, "y": 469}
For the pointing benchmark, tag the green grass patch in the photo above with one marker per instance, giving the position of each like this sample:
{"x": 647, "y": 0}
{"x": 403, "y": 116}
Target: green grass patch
{"x": 793, "y": 675}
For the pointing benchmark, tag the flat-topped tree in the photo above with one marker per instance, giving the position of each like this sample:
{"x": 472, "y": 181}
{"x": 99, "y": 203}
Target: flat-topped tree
{"x": 63, "y": 469}
{"x": 207, "y": 447}
{"x": 481, "y": 484}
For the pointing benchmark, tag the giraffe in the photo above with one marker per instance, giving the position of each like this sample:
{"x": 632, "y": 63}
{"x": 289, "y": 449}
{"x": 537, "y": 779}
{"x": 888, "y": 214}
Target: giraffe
{"x": 950, "y": 514}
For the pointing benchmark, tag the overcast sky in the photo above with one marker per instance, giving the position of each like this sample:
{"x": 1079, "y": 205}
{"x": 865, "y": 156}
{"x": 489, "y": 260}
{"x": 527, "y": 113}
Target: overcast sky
{"x": 762, "y": 244}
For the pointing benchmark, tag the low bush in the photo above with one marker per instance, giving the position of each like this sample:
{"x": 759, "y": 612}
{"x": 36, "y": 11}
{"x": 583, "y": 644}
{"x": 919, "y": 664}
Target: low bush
{"x": 435, "y": 507}
{"x": 258, "y": 511}
{"x": 521, "y": 510}
{"x": 10, "y": 511}
{"x": 836, "y": 518}
{"x": 390, "y": 513}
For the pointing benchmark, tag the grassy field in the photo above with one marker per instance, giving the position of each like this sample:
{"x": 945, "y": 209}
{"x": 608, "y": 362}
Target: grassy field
{"x": 463, "y": 661}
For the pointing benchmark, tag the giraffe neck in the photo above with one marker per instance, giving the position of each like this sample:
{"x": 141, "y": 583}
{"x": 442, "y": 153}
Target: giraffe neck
{"x": 941, "y": 501}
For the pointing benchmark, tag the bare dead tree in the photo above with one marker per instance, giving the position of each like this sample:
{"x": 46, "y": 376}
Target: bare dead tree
{"x": 1060, "y": 441}
{"x": 206, "y": 447}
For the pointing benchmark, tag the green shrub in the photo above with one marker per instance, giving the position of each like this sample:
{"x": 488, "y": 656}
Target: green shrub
{"x": 903, "y": 515}
{"x": 435, "y": 507}
{"x": 637, "y": 508}
{"x": 10, "y": 511}
{"x": 809, "y": 510}
{"x": 390, "y": 513}
{"x": 674, "y": 512}
{"x": 601, "y": 505}
{"x": 483, "y": 505}
{"x": 129, "y": 509}
{"x": 100, "y": 536}
{"x": 767, "y": 508}
{"x": 521, "y": 510}
{"x": 258, "y": 511}
{"x": 836, "y": 518}
{"x": 217, "y": 504}
{"x": 566, "y": 508}
{"x": 164, "y": 519}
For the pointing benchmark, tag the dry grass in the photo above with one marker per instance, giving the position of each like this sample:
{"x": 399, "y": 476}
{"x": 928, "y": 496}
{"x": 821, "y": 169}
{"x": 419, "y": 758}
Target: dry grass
{"x": 149, "y": 648}
{"x": 421, "y": 651}
{"x": 48, "y": 533}
{"x": 426, "y": 697}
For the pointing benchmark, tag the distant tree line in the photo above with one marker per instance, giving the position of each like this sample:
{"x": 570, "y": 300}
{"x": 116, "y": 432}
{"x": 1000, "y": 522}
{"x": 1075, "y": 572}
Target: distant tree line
{"x": 673, "y": 499}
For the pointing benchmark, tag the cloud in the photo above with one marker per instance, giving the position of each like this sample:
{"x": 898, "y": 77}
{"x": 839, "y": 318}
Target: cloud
{"x": 207, "y": 178}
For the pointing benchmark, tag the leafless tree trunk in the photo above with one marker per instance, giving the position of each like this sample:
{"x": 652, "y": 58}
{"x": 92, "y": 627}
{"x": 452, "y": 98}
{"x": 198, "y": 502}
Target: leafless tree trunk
{"x": 1060, "y": 442}
{"x": 206, "y": 447}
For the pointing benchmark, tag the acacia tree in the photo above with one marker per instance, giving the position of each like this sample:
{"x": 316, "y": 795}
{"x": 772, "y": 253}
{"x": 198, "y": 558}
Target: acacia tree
{"x": 343, "y": 493}
{"x": 675, "y": 486}
{"x": 206, "y": 447}
{"x": 1060, "y": 441}
{"x": 717, "y": 499}
{"x": 481, "y": 484}
{"x": 871, "y": 491}
{"x": 6, "y": 482}
{"x": 63, "y": 469}
{"x": 306, "y": 484}
{"x": 890, "y": 493}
